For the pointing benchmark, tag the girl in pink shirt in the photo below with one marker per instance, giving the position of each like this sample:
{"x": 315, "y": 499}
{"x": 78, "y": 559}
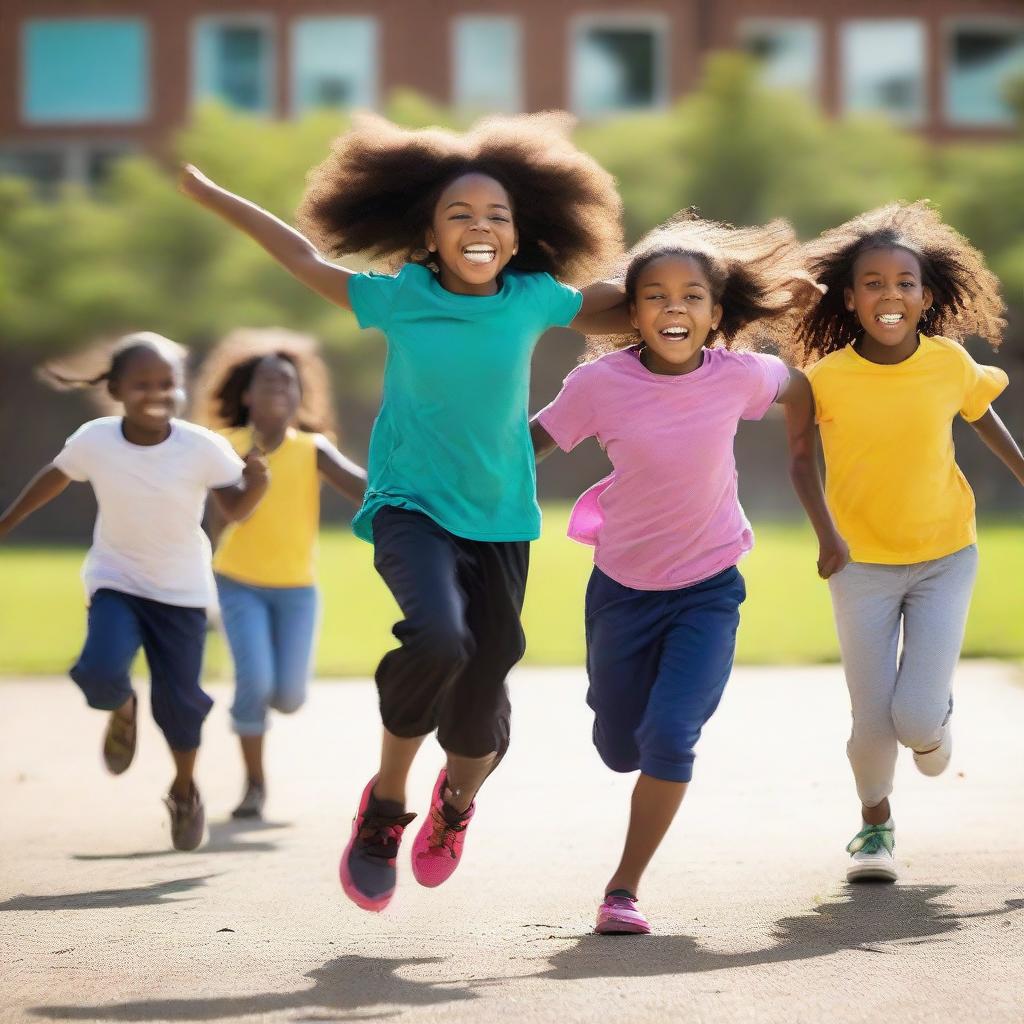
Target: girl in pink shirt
{"x": 662, "y": 605}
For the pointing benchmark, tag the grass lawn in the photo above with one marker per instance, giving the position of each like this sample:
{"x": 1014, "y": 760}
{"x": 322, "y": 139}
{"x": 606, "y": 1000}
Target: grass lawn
{"x": 787, "y": 618}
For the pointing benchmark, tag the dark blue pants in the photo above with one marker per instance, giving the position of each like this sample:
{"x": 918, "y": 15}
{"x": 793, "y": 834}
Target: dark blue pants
{"x": 173, "y": 639}
{"x": 658, "y": 662}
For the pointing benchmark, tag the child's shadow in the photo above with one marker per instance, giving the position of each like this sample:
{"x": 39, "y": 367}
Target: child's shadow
{"x": 224, "y": 837}
{"x": 862, "y": 918}
{"x": 345, "y": 985}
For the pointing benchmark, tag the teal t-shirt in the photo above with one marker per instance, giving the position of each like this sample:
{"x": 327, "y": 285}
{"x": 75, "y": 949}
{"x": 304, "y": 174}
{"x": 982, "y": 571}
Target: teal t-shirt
{"x": 452, "y": 438}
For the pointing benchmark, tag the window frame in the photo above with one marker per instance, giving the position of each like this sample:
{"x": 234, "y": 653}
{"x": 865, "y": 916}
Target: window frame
{"x": 295, "y": 109}
{"x": 241, "y": 19}
{"x": 948, "y": 29}
{"x": 516, "y": 21}
{"x": 817, "y": 82}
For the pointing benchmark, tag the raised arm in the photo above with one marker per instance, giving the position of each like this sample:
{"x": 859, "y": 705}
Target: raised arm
{"x": 797, "y": 400}
{"x": 291, "y": 249}
{"x": 604, "y": 310}
{"x": 39, "y": 491}
{"x": 341, "y": 473}
{"x": 237, "y": 501}
{"x": 991, "y": 429}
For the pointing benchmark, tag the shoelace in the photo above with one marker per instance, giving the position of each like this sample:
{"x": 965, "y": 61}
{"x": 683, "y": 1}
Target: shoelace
{"x": 872, "y": 839}
{"x": 620, "y": 902}
{"x": 380, "y": 835}
{"x": 445, "y": 832}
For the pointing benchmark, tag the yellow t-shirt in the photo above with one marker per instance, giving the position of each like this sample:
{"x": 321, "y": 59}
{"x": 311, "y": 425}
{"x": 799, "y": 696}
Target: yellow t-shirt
{"x": 277, "y": 545}
{"x": 891, "y": 479}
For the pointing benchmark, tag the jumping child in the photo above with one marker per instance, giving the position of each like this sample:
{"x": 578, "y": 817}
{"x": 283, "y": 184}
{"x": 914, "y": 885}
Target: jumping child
{"x": 903, "y": 290}
{"x": 270, "y": 389}
{"x": 482, "y": 226}
{"x": 147, "y": 573}
{"x": 662, "y": 604}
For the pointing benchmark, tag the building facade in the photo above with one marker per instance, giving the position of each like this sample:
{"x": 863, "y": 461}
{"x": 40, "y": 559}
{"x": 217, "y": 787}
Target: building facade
{"x": 82, "y": 82}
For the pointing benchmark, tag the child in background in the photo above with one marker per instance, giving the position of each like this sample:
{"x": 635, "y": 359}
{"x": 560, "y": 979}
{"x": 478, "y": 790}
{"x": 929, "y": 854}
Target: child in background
{"x": 662, "y": 605}
{"x": 269, "y": 389}
{"x": 147, "y": 573}
{"x": 903, "y": 290}
{"x": 482, "y": 226}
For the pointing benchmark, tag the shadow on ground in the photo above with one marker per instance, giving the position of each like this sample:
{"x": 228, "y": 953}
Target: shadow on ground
{"x": 109, "y": 899}
{"x": 224, "y": 837}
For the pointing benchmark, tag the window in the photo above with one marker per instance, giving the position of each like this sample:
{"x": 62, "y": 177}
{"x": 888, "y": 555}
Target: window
{"x": 787, "y": 52}
{"x": 983, "y": 59}
{"x": 883, "y": 66}
{"x": 334, "y": 63}
{"x": 618, "y": 66}
{"x": 487, "y": 64}
{"x": 234, "y": 62}
{"x": 50, "y": 165}
{"x": 85, "y": 70}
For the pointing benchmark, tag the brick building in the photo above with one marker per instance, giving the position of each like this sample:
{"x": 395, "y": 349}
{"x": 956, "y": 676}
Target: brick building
{"x": 84, "y": 80}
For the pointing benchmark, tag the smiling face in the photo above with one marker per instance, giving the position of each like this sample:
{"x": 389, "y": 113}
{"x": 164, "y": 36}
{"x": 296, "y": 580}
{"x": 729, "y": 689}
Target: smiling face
{"x": 473, "y": 234}
{"x": 148, "y": 386}
{"x": 888, "y": 296}
{"x": 675, "y": 311}
{"x": 274, "y": 393}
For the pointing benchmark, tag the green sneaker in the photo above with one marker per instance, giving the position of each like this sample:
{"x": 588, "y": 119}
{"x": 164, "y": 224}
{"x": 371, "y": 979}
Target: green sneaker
{"x": 871, "y": 858}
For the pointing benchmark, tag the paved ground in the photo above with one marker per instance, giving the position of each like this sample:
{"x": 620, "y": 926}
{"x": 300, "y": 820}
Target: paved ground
{"x": 99, "y": 921}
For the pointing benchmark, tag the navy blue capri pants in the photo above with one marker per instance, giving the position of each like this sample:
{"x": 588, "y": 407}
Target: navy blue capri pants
{"x": 173, "y": 639}
{"x": 658, "y": 662}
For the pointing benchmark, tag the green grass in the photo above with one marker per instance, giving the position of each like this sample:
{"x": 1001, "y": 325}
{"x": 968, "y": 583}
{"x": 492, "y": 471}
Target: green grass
{"x": 787, "y": 618}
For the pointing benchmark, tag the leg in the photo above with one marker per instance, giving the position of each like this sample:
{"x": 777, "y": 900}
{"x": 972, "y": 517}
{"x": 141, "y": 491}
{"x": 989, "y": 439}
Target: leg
{"x": 114, "y": 636}
{"x": 294, "y": 620}
{"x": 866, "y": 601}
{"x": 396, "y": 757}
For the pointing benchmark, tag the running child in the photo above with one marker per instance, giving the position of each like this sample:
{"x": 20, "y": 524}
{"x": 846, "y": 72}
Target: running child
{"x": 662, "y": 604}
{"x": 269, "y": 389}
{"x": 903, "y": 291}
{"x": 147, "y": 573}
{"x": 483, "y": 226}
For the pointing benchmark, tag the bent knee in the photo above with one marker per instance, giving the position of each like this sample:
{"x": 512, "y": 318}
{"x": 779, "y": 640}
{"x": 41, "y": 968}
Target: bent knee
{"x": 287, "y": 702}
{"x": 918, "y": 729}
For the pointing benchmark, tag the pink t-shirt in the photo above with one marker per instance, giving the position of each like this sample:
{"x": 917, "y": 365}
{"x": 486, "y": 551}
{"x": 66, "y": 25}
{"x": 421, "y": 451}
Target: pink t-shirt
{"x": 669, "y": 514}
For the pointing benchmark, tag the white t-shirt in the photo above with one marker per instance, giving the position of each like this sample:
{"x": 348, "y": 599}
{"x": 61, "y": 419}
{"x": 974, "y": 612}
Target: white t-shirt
{"x": 149, "y": 540}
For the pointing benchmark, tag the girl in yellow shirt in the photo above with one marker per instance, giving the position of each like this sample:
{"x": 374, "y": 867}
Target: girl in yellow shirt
{"x": 902, "y": 291}
{"x": 269, "y": 390}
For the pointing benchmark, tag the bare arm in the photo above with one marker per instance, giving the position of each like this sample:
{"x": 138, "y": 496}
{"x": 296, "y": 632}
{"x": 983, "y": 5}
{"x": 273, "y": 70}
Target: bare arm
{"x": 235, "y": 502}
{"x": 604, "y": 310}
{"x": 991, "y": 429}
{"x": 543, "y": 442}
{"x": 797, "y": 400}
{"x": 39, "y": 491}
{"x": 341, "y": 473}
{"x": 292, "y": 250}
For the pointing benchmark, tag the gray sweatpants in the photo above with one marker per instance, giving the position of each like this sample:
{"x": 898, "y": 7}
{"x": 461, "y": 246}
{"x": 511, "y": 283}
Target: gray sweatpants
{"x": 899, "y": 696}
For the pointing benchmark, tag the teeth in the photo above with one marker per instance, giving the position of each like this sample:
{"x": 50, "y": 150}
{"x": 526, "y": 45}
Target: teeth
{"x": 889, "y": 318}
{"x": 479, "y": 253}
{"x": 676, "y": 332}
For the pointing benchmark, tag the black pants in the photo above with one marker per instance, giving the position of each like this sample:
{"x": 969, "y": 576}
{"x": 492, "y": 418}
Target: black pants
{"x": 460, "y": 636}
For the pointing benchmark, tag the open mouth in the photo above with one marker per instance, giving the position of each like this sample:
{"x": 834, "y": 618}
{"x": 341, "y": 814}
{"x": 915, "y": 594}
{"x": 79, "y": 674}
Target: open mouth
{"x": 157, "y": 411}
{"x": 480, "y": 254}
{"x": 674, "y": 333}
{"x": 889, "y": 319}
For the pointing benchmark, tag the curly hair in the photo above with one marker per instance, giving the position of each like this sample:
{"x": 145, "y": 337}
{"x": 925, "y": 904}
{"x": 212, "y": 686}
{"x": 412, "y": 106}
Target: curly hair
{"x": 227, "y": 373}
{"x": 376, "y": 193}
{"x": 965, "y": 294}
{"x": 755, "y": 273}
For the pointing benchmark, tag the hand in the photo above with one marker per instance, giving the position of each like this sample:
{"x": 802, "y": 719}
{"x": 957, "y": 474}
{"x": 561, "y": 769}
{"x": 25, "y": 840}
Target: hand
{"x": 255, "y": 472}
{"x": 833, "y": 555}
{"x": 191, "y": 180}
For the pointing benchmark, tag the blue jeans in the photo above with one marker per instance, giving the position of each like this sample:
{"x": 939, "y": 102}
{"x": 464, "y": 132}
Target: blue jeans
{"x": 271, "y": 632}
{"x": 658, "y": 662}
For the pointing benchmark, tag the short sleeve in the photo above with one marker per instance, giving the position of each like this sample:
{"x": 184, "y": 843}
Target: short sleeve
{"x": 982, "y": 385}
{"x": 223, "y": 466}
{"x": 569, "y": 419}
{"x": 564, "y": 301}
{"x": 767, "y": 376}
{"x": 75, "y": 459}
{"x": 372, "y": 297}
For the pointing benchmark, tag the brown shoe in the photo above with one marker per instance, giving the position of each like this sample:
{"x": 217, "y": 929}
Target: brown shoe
{"x": 120, "y": 740}
{"x": 188, "y": 819}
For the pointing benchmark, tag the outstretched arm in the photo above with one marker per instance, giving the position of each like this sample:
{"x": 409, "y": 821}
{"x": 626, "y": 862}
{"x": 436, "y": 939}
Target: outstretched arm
{"x": 341, "y": 473}
{"x": 237, "y": 501}
{"x": 991, "y": 429}
{"x": 797, "y": 400}
{"x": 39, "y": 491}
{"x": 604, "y": 310}
{"x": 292, "y": 250}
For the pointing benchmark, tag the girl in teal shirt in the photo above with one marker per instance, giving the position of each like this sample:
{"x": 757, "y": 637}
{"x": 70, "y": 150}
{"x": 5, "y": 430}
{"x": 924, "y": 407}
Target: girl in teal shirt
{"x": 485, "y": 227}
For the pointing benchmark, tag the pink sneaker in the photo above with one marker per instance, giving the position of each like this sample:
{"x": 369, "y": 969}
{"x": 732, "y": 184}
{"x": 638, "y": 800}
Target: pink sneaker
{"x": 618, "y": 915}
{"x": 367, "y": 868}
{"x": 438, "y": 844}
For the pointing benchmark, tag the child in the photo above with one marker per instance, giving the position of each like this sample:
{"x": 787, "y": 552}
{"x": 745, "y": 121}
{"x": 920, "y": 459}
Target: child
{"x": 148, "y": 571}
{"x": 269, "y": 389}
{"x": 662, "y": 605}
{"x": 903, "y": 289}
{"x": 482, "y": 225}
